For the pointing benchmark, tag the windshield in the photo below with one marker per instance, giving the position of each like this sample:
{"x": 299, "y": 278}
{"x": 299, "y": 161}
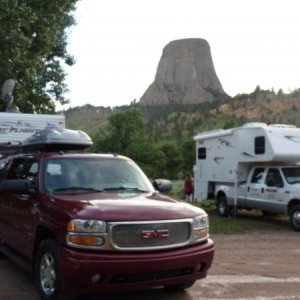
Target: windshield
{"x": 94, "y": 174}
{"x": 292, "y": 175}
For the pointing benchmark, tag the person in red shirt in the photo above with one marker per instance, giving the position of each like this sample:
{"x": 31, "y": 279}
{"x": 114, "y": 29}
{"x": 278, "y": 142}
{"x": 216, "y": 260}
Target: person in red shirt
{"x": 189, "y": 188}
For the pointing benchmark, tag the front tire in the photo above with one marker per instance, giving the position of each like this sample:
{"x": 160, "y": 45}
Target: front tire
{"x": 295, "y": 217}
{"x": 222, "y": 206}
{"x": 46, "y": 275}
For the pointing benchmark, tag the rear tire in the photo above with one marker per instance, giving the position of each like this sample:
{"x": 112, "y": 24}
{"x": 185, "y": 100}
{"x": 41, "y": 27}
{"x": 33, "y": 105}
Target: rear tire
{"x": 295, "y": 217}
{"x": 222, "y": 206}
{"x": 46, "y": 275}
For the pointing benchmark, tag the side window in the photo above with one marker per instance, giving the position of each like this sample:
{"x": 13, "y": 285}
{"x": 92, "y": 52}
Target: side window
{"x": 259, "y": 145}
{"x": 23, "y": 169}
{"x": 257, "y": 175}
{"x": 3, "y": 166}
{"x": 31, "y": 171}
{"x": 16, "y": 169}
{"x": 274, "y": 178}
{"x": 202, "y": 153}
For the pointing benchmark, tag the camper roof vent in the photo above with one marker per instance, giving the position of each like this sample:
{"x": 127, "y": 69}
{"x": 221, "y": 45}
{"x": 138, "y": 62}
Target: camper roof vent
{"x": 283, "y": 126}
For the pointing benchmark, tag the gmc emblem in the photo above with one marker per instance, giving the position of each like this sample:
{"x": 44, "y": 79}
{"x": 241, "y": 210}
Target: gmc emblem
{"x": 155, "y": 234}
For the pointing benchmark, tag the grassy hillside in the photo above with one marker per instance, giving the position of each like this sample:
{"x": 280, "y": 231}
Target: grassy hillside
{"x": 177, "y": 122}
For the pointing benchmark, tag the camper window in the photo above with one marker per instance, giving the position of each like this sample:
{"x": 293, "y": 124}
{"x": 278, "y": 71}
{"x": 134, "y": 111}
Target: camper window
{"x": 201, "y": 153}
{"x": 259, "y": 145}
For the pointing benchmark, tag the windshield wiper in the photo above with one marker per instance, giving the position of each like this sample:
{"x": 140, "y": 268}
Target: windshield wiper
{"x": 125, "y": 188}
{"x": 77, "y": 188}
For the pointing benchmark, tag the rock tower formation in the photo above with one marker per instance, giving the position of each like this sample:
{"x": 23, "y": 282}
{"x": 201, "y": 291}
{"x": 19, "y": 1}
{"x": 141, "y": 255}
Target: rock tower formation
{"x": 185, "y": 75}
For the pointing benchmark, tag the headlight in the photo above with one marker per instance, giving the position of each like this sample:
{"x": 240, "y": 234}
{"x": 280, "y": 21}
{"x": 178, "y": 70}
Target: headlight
{"x": 200, "y": 227}
{"x": 201, "y": 221}
{"x": 86, "y": 233}
{"x": 79, "y": 225}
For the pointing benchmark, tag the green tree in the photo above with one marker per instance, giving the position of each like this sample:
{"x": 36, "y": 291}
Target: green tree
{"x": 125, "y": 135}
{"x": 126, "y": 131}
{"x": 33, "y": 51}
{"x": 188, "y": 155}
{"x": 171, "y": 165}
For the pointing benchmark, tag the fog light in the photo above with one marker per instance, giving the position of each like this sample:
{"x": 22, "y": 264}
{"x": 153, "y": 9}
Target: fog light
{"x": 201, "y": 267}
{"x": 96, "y": 278}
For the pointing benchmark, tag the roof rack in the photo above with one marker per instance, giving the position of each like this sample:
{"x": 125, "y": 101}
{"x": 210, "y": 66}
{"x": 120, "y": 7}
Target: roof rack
{"x": 49, "y": 139}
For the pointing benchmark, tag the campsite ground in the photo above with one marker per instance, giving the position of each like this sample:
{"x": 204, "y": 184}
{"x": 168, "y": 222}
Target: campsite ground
{"x": 256, "y": 264}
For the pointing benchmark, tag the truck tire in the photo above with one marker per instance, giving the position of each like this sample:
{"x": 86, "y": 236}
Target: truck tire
{"x": 46, "y": 275}
{"x": 295, "y": 217}
{"x": 222, "y": 206}
{"x": 179, "y": 287}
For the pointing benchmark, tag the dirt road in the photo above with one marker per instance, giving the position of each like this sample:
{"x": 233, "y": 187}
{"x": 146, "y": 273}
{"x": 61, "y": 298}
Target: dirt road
{"x": 253, "y": 265}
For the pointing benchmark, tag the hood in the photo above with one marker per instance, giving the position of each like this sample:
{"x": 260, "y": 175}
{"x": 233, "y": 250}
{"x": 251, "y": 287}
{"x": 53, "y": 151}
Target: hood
{"x": 123, "y": 206}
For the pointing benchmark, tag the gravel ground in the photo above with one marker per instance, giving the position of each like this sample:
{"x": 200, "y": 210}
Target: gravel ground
{"x": 253, "y": 265}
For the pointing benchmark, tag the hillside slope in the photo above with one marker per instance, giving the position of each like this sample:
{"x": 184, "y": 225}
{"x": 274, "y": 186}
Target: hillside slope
{"x": 177, "y": 121}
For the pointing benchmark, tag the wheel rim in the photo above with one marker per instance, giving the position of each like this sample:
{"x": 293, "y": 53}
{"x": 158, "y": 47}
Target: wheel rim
{"x": 296, "y": 218}
{"x": 47, "y": 274}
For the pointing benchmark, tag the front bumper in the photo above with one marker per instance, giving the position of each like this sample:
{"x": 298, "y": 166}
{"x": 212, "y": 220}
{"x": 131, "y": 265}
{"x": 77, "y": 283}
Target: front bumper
{"x": 131, "y": 271}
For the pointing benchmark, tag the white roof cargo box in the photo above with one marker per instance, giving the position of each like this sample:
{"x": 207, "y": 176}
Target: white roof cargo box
{"x": 16, "y": 127}
{"x": 58, "y": 139}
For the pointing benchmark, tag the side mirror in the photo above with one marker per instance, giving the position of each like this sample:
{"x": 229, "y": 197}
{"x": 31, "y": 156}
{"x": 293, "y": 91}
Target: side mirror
{"x": 15, "y": 186}
{"x": 162, "y": 185}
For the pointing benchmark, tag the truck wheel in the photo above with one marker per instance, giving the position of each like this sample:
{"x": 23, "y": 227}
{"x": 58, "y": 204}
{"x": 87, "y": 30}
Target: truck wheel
{"x": 46, "y": 275}
{"x": 179, "y": 287}
{"x": 295, "y": 217}
{"x": 222, "y": 206}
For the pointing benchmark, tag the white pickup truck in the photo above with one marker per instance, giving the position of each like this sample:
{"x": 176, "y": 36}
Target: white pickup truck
{"x": 272, "y": 189}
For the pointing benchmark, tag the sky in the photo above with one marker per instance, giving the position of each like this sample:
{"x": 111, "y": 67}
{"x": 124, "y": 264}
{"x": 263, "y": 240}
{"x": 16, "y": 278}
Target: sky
{"x": 117, "y": 45}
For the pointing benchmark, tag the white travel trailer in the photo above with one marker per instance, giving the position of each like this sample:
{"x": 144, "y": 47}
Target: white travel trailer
{"x": 229, "y": 163}
{"x": 16, "y": 127}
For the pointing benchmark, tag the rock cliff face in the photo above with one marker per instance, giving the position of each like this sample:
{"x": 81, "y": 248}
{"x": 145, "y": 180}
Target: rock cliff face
{"x": 185, "y": 75}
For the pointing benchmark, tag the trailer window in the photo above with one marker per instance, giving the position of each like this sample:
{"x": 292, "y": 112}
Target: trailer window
{"x": 259, "y": 145}
{"x": 201, "y": 153}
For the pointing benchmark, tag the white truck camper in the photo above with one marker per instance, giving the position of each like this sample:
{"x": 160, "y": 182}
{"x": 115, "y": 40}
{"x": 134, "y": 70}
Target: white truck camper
{"x": 254, "y": 166}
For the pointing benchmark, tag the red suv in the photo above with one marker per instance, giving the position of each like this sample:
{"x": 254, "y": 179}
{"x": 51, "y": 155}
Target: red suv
{"x": 91, "y": 223}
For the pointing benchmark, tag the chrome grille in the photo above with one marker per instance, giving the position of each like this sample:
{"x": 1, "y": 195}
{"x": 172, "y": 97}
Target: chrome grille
{"x": 150, "y": 235}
